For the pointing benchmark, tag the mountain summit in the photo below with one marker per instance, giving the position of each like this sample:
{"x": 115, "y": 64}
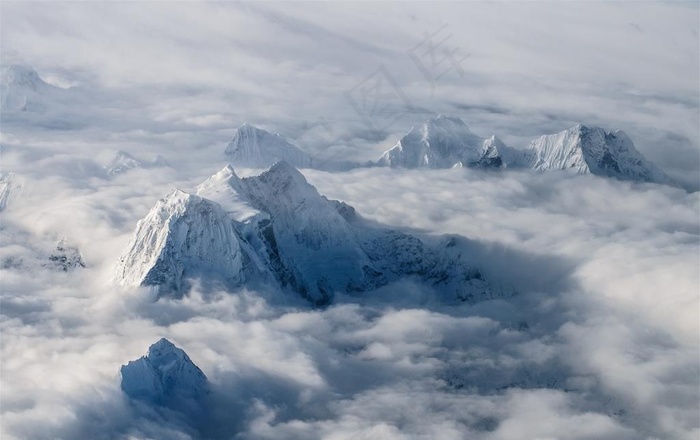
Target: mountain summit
{"x": 444, "y": 142}
{"x": 21, "y": 89}
{"x": 592, "y": 150}
{"x": 276, "y": 228}
{"x": 256, "y": 148}
{"x": 164, "y": 376}
{"x": 22, "y": 76}
{"x": 447, "y": 142}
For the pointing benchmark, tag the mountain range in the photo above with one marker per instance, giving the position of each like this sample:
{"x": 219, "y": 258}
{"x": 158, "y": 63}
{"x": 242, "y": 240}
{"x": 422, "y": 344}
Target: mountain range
{"x": 447, "y": 142}
{"x": 440, "y": 142}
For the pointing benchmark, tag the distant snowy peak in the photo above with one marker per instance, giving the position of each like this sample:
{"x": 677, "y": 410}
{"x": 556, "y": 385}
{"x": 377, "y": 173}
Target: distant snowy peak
{"x": 21, "y": 89}
{"x": 22, "y": 76}
{"x": 593, "y": 150}
{"x": 183, "y": 236}
{"x": 65, "y": 257}
{"x": 164, "y": 376}
{"x": 256, "y": 148}
{"x": 124, "y": 162}
{"x": 444, "y": 142}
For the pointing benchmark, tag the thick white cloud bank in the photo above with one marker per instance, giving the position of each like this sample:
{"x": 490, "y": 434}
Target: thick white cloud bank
{"x": 602, "y": 341}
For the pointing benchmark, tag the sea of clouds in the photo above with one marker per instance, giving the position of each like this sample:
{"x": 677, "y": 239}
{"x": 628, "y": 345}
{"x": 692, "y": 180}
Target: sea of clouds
{"x": 601, "y": 342}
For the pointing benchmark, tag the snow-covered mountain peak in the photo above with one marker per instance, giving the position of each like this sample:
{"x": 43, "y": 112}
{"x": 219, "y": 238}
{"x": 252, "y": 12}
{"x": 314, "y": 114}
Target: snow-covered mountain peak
{"x": 164, "y": 352}
{"x": 184, "y": 235}
{"x": 22, "y": 76}
{"x": 446, "y": 122}
{"x": 283, "y": 191}
{"x": 443, "y": 142}
{"x": 124, "y": 161}
{"x": 22, "y": 89}
{"x": 282, "y": 175}
{"x": 277, "y": 227}
{"x": 166, "y": 375}
{"x": 256, "y": 148}
{"x": 589, "y": 149}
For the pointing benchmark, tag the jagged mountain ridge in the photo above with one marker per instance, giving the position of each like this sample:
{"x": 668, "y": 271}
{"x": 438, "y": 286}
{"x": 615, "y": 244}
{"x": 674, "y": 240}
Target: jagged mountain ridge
{"x": 447, "y": 142}
{"x": 444, "y": 142}
{"x": 591, "y": 150}
{"x": 278, "y": 228}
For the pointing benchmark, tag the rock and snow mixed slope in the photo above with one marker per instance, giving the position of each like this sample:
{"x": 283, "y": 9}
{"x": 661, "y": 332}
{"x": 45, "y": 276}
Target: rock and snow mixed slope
{"x": 592, "y": 150}
{"x": 65, "y": 257}
{"x": 276, "y": 226}
{"x": 164, "y": 376}
{"x": 444, "y": 142}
